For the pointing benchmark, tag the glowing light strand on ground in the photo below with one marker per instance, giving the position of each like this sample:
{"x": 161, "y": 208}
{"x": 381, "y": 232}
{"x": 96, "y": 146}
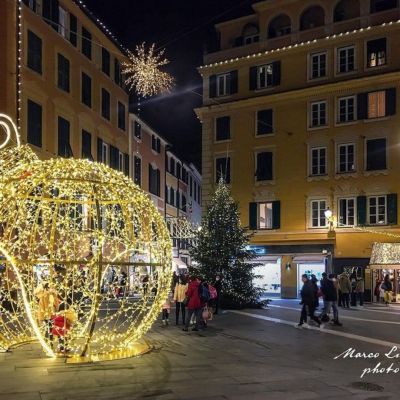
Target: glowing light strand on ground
{"x": 143, "y": 71}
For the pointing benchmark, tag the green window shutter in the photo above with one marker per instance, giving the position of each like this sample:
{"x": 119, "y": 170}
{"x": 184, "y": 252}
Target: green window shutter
{"x": 276, "y": 214}
{"x": 361, "y": 210}
{"x": 253, "y": 216}
{"x": 213, "y": 86}
{"x": 391, "y": 101}
{"x": 392, "y": 209}
{"x": 362, "y": 106}
{"x": 253, "y": 78}
{"x": 99, "y": 150}
{"x": 233, "y": 82}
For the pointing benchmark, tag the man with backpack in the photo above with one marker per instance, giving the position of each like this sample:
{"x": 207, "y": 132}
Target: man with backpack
{"x": 195, "y": 303}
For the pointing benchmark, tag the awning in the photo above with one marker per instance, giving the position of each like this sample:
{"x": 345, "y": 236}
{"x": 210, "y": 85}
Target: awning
{"x": 385, "y": 255}
{"x": 312, "y": 258}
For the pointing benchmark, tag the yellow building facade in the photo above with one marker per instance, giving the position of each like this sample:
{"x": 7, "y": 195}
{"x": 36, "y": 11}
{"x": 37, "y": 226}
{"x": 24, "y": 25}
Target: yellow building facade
{"x": 61, "y": 69}
{"x": 300, "y": 118}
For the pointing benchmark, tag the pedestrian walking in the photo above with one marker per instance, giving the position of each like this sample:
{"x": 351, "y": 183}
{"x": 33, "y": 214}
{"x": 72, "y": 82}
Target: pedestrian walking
{"x": 314, "y": 282}
{"x": 345, "y": 289}
{"x": 360, "y": 288}
{"x": 377, "y": 290}
{"x": 353, "y": 293}
{"x": 308, "y": 302}
{"x": 387, "y": 288}
{"x": 180, "y": 290}
{"x": 218, "y": 287}
{"x": 330, "y": 295}
{"x": 195, "y": 304}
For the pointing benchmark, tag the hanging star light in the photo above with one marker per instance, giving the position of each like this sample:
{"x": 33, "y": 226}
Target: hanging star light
{"x": 85, "y": 256}
{"x": 143, "y": 72}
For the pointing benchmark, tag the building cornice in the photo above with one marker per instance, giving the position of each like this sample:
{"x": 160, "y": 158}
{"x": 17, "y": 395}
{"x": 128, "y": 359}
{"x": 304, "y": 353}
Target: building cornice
{"x": 300, "y": 45}
{"x": 307, "y": 92}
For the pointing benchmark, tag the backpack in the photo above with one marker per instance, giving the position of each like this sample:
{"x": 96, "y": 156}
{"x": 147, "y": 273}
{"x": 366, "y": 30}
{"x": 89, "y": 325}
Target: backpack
{"x": 204, "y": 293}
{"x": 213, "y": 292}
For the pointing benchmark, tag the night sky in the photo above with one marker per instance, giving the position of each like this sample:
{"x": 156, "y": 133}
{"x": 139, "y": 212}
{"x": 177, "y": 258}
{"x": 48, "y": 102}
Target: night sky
{"x": 186, "y": 29}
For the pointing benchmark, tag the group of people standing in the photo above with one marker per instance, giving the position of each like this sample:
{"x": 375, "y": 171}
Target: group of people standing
{"x": 199, "y": 297}
{"x": 351, "y": 290}
{"x": 383, "y": 290}
{"x": 310, "y": 294}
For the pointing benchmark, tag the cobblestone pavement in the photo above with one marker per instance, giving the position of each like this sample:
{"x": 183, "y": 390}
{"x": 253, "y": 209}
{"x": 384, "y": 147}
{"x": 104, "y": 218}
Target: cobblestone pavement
{"x": 251, "y": 355}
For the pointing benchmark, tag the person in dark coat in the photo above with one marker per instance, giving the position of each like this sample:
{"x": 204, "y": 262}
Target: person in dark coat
{"x": 308, "y": 302}
{"x": 330, "y": 294}
{"x": 314, "y": 282}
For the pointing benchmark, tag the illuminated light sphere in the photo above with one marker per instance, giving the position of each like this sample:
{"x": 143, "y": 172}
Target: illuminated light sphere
{"x": 86, "y": 257}
{"x": 143, "y": 72}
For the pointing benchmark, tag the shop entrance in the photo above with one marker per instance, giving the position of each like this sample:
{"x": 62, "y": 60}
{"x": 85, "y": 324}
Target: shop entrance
{"x": 269, "y": 277}
{"x": 310, "y": 269}
{"x": 377, "y": 277}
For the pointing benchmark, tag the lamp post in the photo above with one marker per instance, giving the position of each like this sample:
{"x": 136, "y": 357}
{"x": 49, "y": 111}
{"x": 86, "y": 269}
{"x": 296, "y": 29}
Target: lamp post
{"x": 329, "y": 216}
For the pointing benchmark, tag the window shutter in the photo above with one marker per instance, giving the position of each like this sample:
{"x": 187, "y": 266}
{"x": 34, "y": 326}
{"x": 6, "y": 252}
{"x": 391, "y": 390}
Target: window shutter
{"x": 276, "y": 214}
{"x": 361, "y": 210}
{"x": 99, "y": 150}
{"x": 234, "y": 82}
{"x": 46, "y": 11}
{"x": 126, "y": 164}
{"x": 253, "y": 78}
{"x": 239, "y": 41}
{"x": 276, "y": 73}
{"x": 158, "y": 182}
{"x": 73, "y": 29}
{"x": 54, "y": 14}
{"x": 390, "y": 101}
{"x": 253, "y": 216}
{"x": 392, "y": 209}
{"x": 213, "y": 86}
{"x": 362, "y": 106}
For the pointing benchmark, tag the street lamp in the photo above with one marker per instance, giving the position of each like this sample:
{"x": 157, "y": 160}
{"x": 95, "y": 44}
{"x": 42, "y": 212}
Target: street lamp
{"x": 329, "y": 216}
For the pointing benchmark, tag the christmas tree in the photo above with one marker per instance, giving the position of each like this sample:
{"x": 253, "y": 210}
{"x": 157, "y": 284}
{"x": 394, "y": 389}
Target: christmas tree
{"x": 220, "y": 249}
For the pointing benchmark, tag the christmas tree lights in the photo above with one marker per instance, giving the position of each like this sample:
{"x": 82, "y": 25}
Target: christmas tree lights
{"x": 86, "y": 256}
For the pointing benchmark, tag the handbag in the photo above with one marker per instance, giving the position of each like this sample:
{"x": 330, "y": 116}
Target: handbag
{"x": 185, "y": 301}
{"x": 206, "y": 314}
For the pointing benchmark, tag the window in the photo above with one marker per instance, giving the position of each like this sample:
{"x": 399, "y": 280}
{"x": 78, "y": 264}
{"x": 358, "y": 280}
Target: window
{"x": 64, "y": 147}
{"x": 183, "y": 203}
{"x": 137, "y": 130}
{"x": 191, "y": 186}
{"x": 177, "y": 198}
{"x": 137, "y": 175}
{"x": 265, "y": 122}
{"x": 267, "y": 75}
{"x": 279, "y": 26}
{"x": 347, "y": 212}
{"x": 86, "y": 43}
{"x": 265, "y": 215}
{"x": 223, "y": 128}
{"x": 318, "y": 161}
{"x": 105, "y": 61}
{"x": 51, "y": 13}
{"x": 376, "y": 210}
{"x": 121, "y": 116}
{"x": 382, "y": 5}
{"x": 318, "y": 114}
{"x": 62, "y": 22}
{"x": 312, "y": 17}
{"x": 318, "y": 208}
{"x": 34, "y": 123}
{"x": 105, "y": 158}
{"x": 117, "y": 72}
{"x": 376, "y": 154}
{"x": 172, "y": 196}
{"x": 347, "y": 109}
{"x": 223, "y": 169}
{"x": 105, "y": 104}
{"x": 264, "y": 168}
{"x": 222, "y": 85}
{"x": 73, "y": 29}
{"x": 31, "y": 4}
{"x": 86, "y": 90}
{"x": 121, "y": 161}
{"x": 318, "y": 65}
{"x": 63, "y": 73}
{"x": 178, "y": 170}
{"x": 154, "y": 180}
{"x": 376, "y": 53}
{"x": 156, "y": 144}
{"x": 34, "y": 52}
{"x": 377, "y": 104}
{"x": 346, "y": 59}
{"x": 172, "y": 166}
{"x": 87, "y": 145}
{"x": 114, "y": 157}
{"x": 346, "y": 158}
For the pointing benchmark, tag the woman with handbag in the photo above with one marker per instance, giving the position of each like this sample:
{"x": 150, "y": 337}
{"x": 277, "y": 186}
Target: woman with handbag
{"x": 387, "y": 288}
{"x": 179, "y": 297}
